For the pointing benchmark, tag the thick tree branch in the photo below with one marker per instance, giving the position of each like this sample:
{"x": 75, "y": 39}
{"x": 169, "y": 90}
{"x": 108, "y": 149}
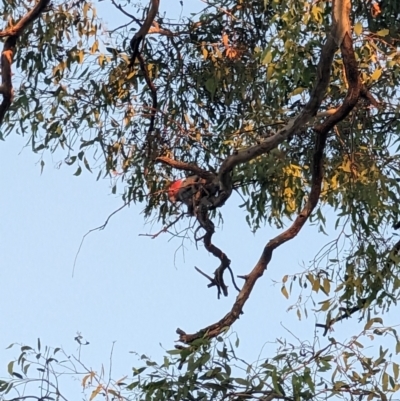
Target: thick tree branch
{"x": 250, "y": 280}
{"x": 294, "y": 126}
{"x": 7, "y": 57}
{"x": 26, "y": 20}
{"x": 355, "y": 85}
{"x": 151, "y": 138}
{"x": 144, "y": 29}
{"x": 192, "y": 168}
{"x": 7, "y": 54}
{"x": 340, "y": 27}
{"x": 341, "y": 21}
{"x": 340, "y": 34}
{"x": 201, "y": 211}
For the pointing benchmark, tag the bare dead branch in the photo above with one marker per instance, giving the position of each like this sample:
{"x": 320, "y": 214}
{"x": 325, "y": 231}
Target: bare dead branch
{"x": 204, "y": 274}
{"x": 99, "y": 228}
{"x": 208, "y": 226}
{"x": 164, "y": 229}
{"x": 233, "y": 279}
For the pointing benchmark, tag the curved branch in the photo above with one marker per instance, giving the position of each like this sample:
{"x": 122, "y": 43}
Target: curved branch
{"x": 355, "y": 86}
{"x": 26, "y": 20}
{"x": 250, "y": 280}
{"x": 208, "y": 226}
{"x": 340, "y": 34}
{"x": 340, "y": 30}
{"x": 293, "y": 127}
{"x": 193, "y": 168}
{"x": 201, "y": 211}
{"x": 8, "y": 52}
{"x": 144, "y": 29}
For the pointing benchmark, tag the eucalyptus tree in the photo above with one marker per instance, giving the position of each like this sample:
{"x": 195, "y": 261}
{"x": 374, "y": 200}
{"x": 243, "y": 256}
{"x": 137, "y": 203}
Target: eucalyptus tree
{"x": 293, "y": 104}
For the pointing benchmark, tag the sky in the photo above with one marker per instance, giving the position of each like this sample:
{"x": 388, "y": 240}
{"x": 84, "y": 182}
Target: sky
{"x": 126, "y": 291}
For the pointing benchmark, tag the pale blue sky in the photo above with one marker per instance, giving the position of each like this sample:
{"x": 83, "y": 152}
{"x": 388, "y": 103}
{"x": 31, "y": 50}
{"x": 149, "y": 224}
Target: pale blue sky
{"x": 127, "y": 288}
{"x": 130, "y": 289}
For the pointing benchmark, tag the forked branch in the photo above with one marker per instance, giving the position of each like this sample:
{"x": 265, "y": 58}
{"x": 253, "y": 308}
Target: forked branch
{"x": 340, "y": 35}
{"x": 250, "y": 280}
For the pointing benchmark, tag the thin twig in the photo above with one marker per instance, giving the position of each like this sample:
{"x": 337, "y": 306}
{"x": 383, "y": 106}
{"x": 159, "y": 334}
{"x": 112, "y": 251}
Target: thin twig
{"x": 102, "y": 227}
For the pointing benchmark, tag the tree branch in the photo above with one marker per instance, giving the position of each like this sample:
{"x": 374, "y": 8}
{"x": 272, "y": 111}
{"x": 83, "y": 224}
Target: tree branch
{"x": 26, "y": 20}
{"x": 7, "y": 54}
{"x": 340, "y": 34}
{"x": 144, "y": 29}
{"x": 250, "y": 280}
{"x": 293, "y": 127}
{"x": 193, "y": 168}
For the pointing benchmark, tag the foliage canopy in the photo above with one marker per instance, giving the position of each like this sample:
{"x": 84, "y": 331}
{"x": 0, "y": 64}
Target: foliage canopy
{"x": 293, "y": 104}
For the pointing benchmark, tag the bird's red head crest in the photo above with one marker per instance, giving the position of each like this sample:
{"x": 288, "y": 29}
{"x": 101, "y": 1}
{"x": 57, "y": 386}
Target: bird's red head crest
{"x": 174, "y": 189}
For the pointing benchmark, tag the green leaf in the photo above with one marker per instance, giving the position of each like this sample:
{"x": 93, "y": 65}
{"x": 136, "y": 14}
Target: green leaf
{"x": 242, "y": 382}
{"x": 211, "y": 86}
{"x": 383, "y": 32}
{"x": 370, "y": 322}
{"x": 86, "y": 163}
{"x": 10, "y": 367}
{"x": 78, "y": 171}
